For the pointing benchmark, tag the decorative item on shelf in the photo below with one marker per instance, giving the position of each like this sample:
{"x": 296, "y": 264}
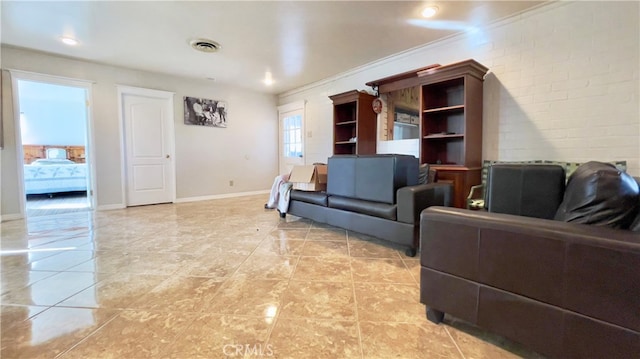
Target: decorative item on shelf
{"x": 377, "y": 105}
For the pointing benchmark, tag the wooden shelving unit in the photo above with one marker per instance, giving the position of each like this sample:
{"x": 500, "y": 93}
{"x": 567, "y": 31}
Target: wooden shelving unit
{"x": 354, "y": 123}
{"x": 451, "y": 124}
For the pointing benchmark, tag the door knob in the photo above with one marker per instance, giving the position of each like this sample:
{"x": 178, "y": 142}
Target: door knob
{"x": 168, "y": 156}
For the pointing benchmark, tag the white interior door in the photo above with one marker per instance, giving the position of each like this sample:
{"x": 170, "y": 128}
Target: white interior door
{"x": 291, "y": 140}
{"x": 148, "y": 132}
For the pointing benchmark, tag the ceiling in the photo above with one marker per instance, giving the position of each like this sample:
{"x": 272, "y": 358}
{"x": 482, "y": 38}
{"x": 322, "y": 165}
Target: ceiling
{"x": 298, "y": 42}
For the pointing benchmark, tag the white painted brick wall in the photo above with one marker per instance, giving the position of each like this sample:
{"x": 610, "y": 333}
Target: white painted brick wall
{"x": 564, "y": 84}
{"x": 572, "y": 100}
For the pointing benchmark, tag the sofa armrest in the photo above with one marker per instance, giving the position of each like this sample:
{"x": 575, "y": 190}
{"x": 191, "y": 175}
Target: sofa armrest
{"x": 411, "y": 200}
{"x": 586, "y": 269}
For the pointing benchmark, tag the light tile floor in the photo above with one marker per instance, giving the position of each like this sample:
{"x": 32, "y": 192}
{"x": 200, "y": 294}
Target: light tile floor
{"x": 59, "y": 203}
{"x": 215, "y": 279}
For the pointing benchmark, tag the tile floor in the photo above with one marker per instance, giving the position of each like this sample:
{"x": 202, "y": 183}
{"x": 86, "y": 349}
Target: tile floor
{"x": 59, "y": 203}
{"x": 215, "y": 279}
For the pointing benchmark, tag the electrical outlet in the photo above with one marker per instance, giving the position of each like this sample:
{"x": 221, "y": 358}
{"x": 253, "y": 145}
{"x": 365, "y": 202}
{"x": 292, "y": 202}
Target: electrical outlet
{"x": 231, "y": 183}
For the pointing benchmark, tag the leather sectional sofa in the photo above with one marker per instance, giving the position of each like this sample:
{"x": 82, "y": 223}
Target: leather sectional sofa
{"x": 566, "y": 288}
{"x": 377, "y": 195}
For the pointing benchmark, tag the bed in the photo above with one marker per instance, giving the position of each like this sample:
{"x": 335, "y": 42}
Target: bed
{"x": 51, "y": 175}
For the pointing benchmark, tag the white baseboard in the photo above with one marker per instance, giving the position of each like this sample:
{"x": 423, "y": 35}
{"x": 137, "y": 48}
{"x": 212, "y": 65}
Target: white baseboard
{"x": 220, "y": 196}
{"x": 109, "y": 207}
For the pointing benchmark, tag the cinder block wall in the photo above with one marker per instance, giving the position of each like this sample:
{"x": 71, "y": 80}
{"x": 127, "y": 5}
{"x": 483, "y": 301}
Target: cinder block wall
{"x": 563, "y": 84}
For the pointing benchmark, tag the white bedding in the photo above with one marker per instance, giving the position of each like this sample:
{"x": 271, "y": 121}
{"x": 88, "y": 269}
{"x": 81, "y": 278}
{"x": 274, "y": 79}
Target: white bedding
{"x": 54, "y": 176}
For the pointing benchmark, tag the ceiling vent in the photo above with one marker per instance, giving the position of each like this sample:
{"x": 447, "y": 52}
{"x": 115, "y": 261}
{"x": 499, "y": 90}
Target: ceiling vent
{"x": 205, "y": 45}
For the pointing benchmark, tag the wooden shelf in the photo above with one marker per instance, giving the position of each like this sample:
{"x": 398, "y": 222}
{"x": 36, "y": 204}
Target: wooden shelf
{"x": 346, "y": 143}
{"x": 445, "y": 109}
{"x": 451, "y": 124}
{"x": 353, "y": 117}
{"x": 346, "y": 123}
{"x": 441, "y": 136}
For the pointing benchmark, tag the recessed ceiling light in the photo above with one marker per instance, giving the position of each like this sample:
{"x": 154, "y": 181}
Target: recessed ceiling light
{"x": 429, "y": 11}
{"x": 205, "y": 45}
{"x": 268, "y": 79}
{"x": 69, "y": 41}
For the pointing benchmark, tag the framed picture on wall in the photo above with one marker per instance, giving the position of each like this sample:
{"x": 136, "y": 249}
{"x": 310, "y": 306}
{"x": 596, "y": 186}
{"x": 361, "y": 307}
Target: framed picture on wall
{"x": 204, "y": 112}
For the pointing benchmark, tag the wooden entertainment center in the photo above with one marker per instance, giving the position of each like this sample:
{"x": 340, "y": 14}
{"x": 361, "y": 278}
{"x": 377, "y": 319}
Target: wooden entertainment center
{"x": 450, "y": 120}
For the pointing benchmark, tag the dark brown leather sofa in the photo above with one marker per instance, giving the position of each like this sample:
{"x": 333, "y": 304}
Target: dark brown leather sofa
{"x": 565, "y": 290}
{"x": 377, "y": 195}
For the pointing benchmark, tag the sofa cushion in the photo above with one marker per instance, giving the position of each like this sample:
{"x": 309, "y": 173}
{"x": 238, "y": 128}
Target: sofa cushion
{"x": 341, "y": 175}
{"x": 482, "y": 202}
{"x": 319, "y": 198}
{"x": 379, "y": 176}
{"x": 531, "y": 190}
{"x": 598, "y": 193}
{"x": 570, "y": 167}
{"x": 376, "y": 209}
{"x": 423, "y": 173}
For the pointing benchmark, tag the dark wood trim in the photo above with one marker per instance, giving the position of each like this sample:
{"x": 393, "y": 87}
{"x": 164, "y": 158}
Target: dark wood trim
{"x": 399, "y": 81}
{"x": 446, "y": 72}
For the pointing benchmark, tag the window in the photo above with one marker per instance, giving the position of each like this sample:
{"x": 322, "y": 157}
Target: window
{"x": 292, "y": 134}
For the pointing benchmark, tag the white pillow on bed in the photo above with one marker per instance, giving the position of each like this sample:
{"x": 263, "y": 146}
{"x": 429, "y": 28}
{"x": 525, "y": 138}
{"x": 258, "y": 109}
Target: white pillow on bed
{"x": 52, "y": 161}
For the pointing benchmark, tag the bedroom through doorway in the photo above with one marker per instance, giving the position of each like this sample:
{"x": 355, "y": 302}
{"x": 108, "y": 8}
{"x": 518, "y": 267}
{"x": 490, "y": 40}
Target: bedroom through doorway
{"x": 54, "y": 141}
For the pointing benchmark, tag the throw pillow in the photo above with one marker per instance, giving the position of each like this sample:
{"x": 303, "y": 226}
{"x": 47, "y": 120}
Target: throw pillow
{"x": 600, "y": 194}
{"x": 423, "y": 174}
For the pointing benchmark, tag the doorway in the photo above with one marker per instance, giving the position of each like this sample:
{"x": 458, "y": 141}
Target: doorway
{"x": 53, "y": 144}
{"x": 291, "y": 135}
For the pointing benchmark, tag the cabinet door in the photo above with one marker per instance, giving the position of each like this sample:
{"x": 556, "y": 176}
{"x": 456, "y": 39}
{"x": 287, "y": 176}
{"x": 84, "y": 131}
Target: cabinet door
{"x": 461, "y": 180}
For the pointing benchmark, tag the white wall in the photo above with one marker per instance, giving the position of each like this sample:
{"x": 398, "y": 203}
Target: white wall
{"x": 206, "y": 158}
{"x": 563, "y": 85}
{"x": 52, "y": 114}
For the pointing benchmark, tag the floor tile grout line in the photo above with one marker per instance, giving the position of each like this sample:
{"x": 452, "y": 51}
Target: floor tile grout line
{"x": 355, "y": 299}
{"x": 454, "y": 342}
{"x": 417, "y": 280}
{"x": 178, "y": 335}
{"x": 281, "y": 299}
{"x": 85, "y": 338}
{"x": 64, "y": 299}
